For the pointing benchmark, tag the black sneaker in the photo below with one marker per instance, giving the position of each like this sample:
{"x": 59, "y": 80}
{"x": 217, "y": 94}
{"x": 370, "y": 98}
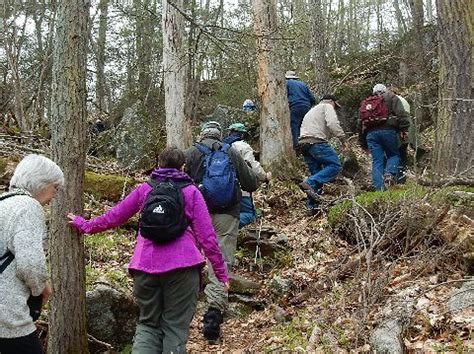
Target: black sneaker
{"x": 310, "y": 192}
{"x": 313, "y": 211}
{"x": 212, "y": 321}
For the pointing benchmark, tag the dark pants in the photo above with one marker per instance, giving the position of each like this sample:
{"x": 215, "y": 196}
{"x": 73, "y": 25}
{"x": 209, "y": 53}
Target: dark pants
{"x": 297, "y": 114}
{"x": 324, "y": 165}
{"x": 167, "y": 304}
{"x": 29, "y": 344}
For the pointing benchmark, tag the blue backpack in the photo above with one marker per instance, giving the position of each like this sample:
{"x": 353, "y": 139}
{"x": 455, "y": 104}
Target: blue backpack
{"x": 219, "y": 183}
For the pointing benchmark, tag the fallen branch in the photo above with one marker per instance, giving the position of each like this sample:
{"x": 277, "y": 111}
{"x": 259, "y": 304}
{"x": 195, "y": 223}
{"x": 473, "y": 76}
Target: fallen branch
{"x": 447, "y": 182}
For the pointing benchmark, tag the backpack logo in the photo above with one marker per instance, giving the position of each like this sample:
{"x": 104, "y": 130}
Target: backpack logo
{"x": 158, "y": 210}
{"x": 369, "y": 107}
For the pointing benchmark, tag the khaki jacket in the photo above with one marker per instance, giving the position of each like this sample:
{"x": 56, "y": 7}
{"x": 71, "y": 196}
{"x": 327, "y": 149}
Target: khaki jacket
{"x": 321, "y": 124}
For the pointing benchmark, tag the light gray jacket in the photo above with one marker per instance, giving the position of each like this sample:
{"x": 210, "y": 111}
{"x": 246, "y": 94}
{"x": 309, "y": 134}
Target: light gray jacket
{"x": 247, "y": 153}
{"x": 22, "y": 230}
{"x": 320, "y": 124}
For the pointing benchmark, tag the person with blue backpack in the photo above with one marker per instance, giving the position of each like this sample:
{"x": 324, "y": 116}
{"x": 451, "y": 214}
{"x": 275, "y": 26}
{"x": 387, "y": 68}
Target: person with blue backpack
{"x": 236, "y": 138}
{"x": 221, "y": 174}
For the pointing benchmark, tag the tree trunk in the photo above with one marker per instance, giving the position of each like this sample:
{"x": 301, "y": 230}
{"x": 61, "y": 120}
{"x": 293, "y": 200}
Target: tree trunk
{"x": 101, "y": 86}
{"x": 402, "y": 27}
{"x": 178, "y": 132}
{"x": 275, "y": 137}
{"x": 319, "y": 34}
{"x": 455, "y": 131}
{"x": 144, "y": 33}
{"x": 67, "y": 329}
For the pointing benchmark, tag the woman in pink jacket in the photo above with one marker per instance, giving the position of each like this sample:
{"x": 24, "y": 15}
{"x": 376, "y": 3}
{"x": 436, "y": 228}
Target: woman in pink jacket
{"x": 166, "y": 276}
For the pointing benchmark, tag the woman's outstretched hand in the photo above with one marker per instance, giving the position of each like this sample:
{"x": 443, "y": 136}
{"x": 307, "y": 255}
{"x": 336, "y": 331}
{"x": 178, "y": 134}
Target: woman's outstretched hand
{"x": 71, "y": 217}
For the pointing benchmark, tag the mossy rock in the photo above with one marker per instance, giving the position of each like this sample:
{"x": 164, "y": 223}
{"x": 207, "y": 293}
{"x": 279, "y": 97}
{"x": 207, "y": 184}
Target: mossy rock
{"x": 108, "y": 187}
{"x": 372, "y": 199}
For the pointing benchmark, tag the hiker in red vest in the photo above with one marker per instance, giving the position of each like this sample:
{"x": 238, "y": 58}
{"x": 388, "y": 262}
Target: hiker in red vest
{"x": 383, "y": 121}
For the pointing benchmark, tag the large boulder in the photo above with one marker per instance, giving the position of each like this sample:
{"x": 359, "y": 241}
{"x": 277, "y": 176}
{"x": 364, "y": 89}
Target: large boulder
{"x": 111, "y": 315}
{"x": 137, "y": 138}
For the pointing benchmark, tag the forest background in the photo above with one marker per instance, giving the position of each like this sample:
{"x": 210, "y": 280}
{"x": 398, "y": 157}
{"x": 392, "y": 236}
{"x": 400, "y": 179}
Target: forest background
{"x": 152, "y": 71}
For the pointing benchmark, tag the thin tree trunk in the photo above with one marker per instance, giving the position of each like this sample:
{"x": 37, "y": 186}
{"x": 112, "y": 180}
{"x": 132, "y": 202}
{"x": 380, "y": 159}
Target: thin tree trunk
{"x": 178, "y": 131}
{"x": 319, "y": 34}
{"x": 455, "y": 130}
{"x": 402, "y": 27}
{"x": 101, "y": 85}
{"x": 67, "y": 329}
{"x": 275, "y": 137}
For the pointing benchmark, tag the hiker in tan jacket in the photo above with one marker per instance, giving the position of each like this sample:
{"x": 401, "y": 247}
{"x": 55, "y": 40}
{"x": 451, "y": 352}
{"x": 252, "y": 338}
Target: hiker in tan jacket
{"x": 319, "y": 125}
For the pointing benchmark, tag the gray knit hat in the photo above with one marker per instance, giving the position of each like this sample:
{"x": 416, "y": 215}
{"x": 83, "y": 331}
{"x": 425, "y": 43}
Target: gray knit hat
{"x": 211, "y": 129}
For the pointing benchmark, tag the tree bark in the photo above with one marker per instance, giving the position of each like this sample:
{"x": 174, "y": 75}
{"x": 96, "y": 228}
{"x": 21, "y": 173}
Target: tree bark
{"x": 455, "y": 131}
{"x": 319, "y": 34}
{"x": 275, "y": 137}
{"x": 178, "y": 132}
{"x": 67, "y": 330}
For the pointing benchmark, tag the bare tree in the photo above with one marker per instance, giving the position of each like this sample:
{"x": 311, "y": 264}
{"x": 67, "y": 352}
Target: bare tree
{"x": 319, "y": 34}
{"x": 13, "y": 39}
{"x": 275, "y": 138}
{"x": 174, "y": 65}
{"x": 101, "y": 46}
{"x": 455, "y": 131}
{"x": 67, "y": 330}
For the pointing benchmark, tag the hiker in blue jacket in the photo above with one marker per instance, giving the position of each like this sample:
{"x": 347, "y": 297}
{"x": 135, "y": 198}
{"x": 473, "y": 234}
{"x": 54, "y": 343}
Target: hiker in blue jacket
{"x": 300, "y": 100}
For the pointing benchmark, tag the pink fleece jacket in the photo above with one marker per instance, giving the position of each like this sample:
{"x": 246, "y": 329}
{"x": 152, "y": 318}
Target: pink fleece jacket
{"x": 184, "y": 252}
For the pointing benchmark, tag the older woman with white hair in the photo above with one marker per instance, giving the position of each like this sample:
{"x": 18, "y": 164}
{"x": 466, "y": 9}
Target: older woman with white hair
{"x": 23, "y": 272}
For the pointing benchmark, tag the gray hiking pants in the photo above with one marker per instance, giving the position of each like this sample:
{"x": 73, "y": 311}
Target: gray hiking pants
{"x": 227, "y": 230}
{"x": 167, "y": 304}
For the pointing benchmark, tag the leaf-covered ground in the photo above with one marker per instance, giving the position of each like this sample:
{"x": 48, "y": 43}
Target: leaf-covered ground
{"x": 343, "y": 309}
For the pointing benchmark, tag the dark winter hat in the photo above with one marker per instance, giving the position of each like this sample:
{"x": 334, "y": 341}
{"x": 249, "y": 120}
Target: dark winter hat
{"x": 331, "y": 98}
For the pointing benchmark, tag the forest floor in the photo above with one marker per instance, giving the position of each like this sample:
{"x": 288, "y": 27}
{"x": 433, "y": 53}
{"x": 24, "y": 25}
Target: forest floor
{"x": 332, "y": 298}
{"x": 341, "y": 274}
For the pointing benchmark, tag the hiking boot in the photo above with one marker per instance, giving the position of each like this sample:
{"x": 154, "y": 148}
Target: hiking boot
{"x": 310, "y": 192}
{"x": 212, "y": 321}
{"x": 388, "y": 180}
{"x": 313, "y": 211}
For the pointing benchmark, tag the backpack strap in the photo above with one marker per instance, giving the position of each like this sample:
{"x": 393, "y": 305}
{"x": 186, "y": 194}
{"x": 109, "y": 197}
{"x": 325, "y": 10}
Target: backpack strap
{"x": 203, "y": 148}
{"x": 225, "y": 148}
{"x": 7, "y": 258}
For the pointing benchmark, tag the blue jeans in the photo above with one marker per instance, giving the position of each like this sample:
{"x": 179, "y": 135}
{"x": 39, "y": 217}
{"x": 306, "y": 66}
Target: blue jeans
{"x": 297, "y": 114}
{"x": 247, "y": 212}
{"x": 324, "y": 166}
{"x": 383, "y": 146}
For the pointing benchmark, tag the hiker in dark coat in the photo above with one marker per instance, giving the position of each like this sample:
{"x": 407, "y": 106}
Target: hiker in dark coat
{"x": 300, "y": 100}
{"x": 225, "y": 221}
